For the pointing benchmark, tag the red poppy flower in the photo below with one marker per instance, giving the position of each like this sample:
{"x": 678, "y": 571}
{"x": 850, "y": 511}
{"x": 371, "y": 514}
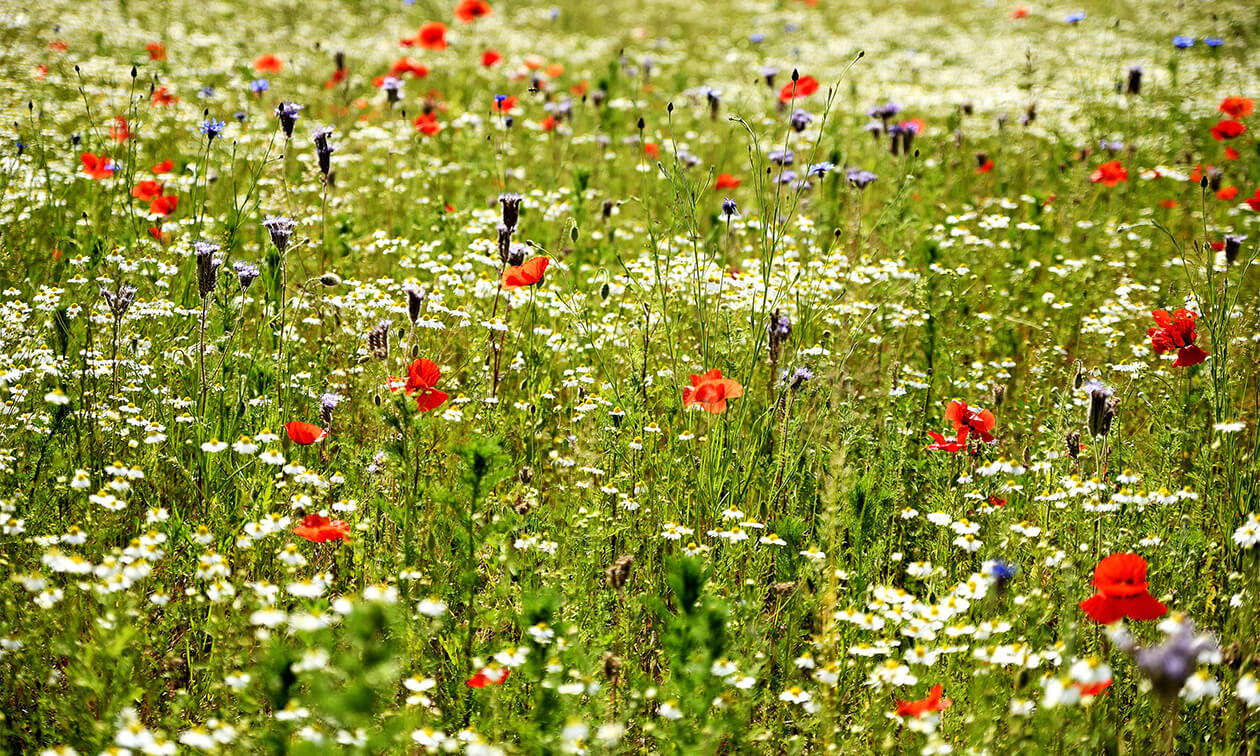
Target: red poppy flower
{"x": 304, "y": 433}
{"x": 162, "y": 96}
{"x": 147, "y": 190}
{"x": 803, "y": 87}
{"x": 319, "y": 529}
{"x": 1237, "y": 107}
{"x": 58, "y": 45}
{"x": 580, "y": 88}
{"x": 158, "y": 234}
{"x": 427, "y": 124}
{"x": 268, "y": 64}
{"x": 916, "y": 125}
{"x": 409, "y": 65}
{"x": 1168, "y": 204}
{"x": 422, "y": 376}
{"x": 97, "y": 166}
{"x": 951, "y": 445}
{"x": 1225, "y": 129}
{"x": 431, "y": 36}
{"x": 120, "y": 130}
{"x": 470, "y": 10}
{"x": 548, "y": 123}
{"x": 1111, "y": 173}
{"x": 505, "y": 104}
{"x": 985, "y": 166}
{"x": 488, "y": 676}
{"x": 1121, "y": 583}
{"x": 711, "y": 391}
{"x": 163, "y": 167}
{"x": 1253, "y": 201}
{"x": 41, "y": 71}
{"x": 653, "y": 151}
{"x": 1217, "y": 246}
{"x": 1232, "y": 154}
{"x": 157, "y": 51}
{"x": 933, "y": 702}
{"x": 1092, "y": 689}
{"x": 1176, "y": 331}
{"x": 969, "y": 420}
{"x": 338, "y": 76}
{"x": 997, "y": 501}
{"x": 490, "y": 57}
{"x": 527, "y": 273}
{"x": 164, "y": 205}
{"x": 725, "y": 181}
{"x": 1227, "y": 193}
{"x": 1020, "y": 12}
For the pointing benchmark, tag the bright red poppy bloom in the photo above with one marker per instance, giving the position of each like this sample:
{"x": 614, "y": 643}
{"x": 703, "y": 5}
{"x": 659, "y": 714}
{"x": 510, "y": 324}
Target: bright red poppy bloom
{"x": 1225, "y": 130}
{"x": 427, "y": 124}
{"x": 951, "y": 445}
{"x": 969, "y": 420}
{"x": 1168, "y": 204}
{"x": 985, "y": 166}
{"x": 97, "y": 166}
{"x": 490, "y": 57}
{"x": 164, "y": 205}
{"x": 527, "y": 273}
{"x": 163, "y": 97}
{"x": 1237, "y": 107}
{"x": 337, "y": 77}
{"x": 1227, "y": 193}
{"x": 120, "y": 130}
{"x": 147, "y": 190}
{"x": 431, "y": 36}
{"x": 1176, "y": 331}
{"x": 803, "y": 87}
{"x": 163, "y": 167}
{"x": 157, "y": 51}
{"x": 268, "y": 64}
{"x": 1092, "y": 689}
{"x": 304, "y": 433}
{"x": 725, "y": 181}
{"x": 932, "y": 703}
{"x": 422, "y": 376}
{"x": 319, "y": 529}
{"x": 409, "y": 65}
{"x": 488, "y": 676}
{"x": 1122, "y": 592}
{"x": 1253, "y": 201}
{"x": 1020, "y": 11}
{"x": 1110, "y": 173}
{"x": 505, "y": 104}
{"x": 548, "y": 123}
{"x": 158, "y": 234}
{"x": 652, "y": 150}
{"x": 711, "y": 391}
{"x": 470, "y": 10}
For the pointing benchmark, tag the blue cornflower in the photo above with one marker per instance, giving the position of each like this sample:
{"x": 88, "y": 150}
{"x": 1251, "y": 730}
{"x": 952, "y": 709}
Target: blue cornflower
{"x": 206, "y": 92}
{"x": 1213, "y": 41}
{"x": 258, "y": 86}
{"x": 554, "y": 13}
{"x": 787, "y": 177}
{"x": 729, "y": 209}
{"x": 212, "y": 128}
{"x": 756, "y": 38}
{"x": 790, "y": 27}
{"x": 1001, "y": 572}
{"x": 1075, "y": 18}
{"x": 1181, "y": 42}
{"x": 860, "y": 178}
{"x": 821, "y": 169}
{"x": 781, "y": 157}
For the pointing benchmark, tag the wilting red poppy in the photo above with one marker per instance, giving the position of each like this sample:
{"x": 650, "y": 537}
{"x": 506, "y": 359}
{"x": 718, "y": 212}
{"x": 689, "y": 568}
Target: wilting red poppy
{"x": 147, "y": 190}
{"x": 505, "y": 104}
{"x": 268, "y": 64}
{"x": 319, "y": 529}
{"x": 162, "y": 96}
{"x": 488, "y": 676}
{"x": 431, "y": 36}
{"x": 427, "y": 124}
{"x": 803, "y": 87}
{"x": 97, "y": 166}
{"x": 1237, "y": 107}
{"x": 157, "y": 51}
{"x": 725, "y": 181}
{"x": 120, "y": 130}
{"x": 1227, "y": 193}
{"x": 164, "y": 205}
{"x": 1224, "y": 130}
{"x": 951, "y": 445}
{"x": 1176, "y": 331}
{"x": 470, "y": 10}
{"x": 163, "y": 167}
{"x": 932, "y": 703}
{"x": 711, "y": 391}
{"x": 527, "y": 273}
{"x": 304, "y": 433}
{"x": 422, "y": 376}
{"x": 1122, "y": 592}
{"x": 1110, "y": 173}
{"x": 409, "y": 65}
{"x": 970, "y": 420}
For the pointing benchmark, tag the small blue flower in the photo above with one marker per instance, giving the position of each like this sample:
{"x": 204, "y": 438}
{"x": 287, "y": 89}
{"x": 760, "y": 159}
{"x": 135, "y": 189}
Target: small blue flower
{"x": 1075, "y": 18}
{"x": 258, "y": 86}
{"x": 206, "y": 92}
{"x": 1001, "y": 572}
{"x": 1213, "y": 41}
{"x": 729, "y": 209}
{"x": 756, "y": 38}
{"x": 821, "y": 169}
{"x": 1182, "y": 42}
{"x": 212, "y": 128}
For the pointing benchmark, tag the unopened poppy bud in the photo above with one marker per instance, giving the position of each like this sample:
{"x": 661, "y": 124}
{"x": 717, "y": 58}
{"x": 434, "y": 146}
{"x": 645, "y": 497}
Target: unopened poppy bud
{"x": 330, "y": 279}
{"x": 642, "y": 123}
{"x": 796, "y": 75}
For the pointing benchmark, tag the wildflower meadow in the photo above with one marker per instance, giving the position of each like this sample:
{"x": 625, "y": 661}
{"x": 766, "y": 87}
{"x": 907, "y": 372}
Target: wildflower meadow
{"x": 639, "y": 376}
